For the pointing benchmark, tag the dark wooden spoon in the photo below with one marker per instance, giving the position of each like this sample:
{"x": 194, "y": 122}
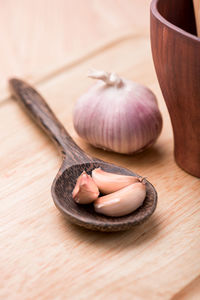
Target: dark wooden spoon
{"x": 74, "y": 162}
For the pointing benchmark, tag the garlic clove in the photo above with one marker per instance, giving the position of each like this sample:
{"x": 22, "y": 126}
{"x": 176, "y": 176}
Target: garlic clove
{"x": 85, "y": 190}
{"x": 110, "y": 182}
{"x": 76, "y": 188}
{"x": 122, "y": 202}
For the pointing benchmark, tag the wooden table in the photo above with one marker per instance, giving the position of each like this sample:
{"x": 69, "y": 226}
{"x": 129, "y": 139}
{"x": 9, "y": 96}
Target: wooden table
{"x": 53, "y": 43}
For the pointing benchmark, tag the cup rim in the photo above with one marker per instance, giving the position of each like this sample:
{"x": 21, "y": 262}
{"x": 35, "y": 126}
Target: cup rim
{"x": 157, "y": 15}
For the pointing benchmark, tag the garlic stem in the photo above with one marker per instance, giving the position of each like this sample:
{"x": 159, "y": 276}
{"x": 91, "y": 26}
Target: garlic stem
{"x": 109, "y": 78}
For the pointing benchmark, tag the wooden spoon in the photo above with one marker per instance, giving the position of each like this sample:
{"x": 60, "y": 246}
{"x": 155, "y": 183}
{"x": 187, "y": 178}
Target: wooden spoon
{"x": 75, "y": 161}
{"x": 196, "y": 4}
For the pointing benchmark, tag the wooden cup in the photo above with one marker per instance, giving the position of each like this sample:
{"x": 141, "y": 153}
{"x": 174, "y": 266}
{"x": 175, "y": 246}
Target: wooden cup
{"x": 176, "y": 55}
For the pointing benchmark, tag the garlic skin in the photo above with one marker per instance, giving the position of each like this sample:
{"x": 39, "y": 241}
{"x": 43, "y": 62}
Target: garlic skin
{"x": 110, "y": 182}
{"x": 85, "y": 190}
{"x": 122, "y": 202}
{"x": 117, "y": 114}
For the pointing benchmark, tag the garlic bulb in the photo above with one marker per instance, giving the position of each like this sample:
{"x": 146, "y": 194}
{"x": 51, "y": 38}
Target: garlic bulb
{"x": 117, "y": 114}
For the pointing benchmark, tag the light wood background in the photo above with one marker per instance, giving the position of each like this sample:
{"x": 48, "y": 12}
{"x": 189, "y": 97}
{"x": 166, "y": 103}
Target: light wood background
{"x": 196, "y": 4}
{"x": 53, "y": 43}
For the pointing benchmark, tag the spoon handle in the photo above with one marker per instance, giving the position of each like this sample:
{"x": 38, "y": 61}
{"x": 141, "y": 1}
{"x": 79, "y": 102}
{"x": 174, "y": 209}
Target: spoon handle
{"x": 36, "y": 106}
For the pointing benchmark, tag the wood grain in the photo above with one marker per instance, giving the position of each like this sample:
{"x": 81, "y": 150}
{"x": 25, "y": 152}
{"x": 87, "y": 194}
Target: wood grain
{"x": 190, "y": 292}
{"x": 38, "y": 109}
{"x": 177, "y": 63}
{"x": 42, "y": 255}
{"x": 42, "y": 37}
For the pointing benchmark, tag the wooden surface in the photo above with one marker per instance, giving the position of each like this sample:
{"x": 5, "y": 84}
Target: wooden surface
{"x": 42, "y": 255}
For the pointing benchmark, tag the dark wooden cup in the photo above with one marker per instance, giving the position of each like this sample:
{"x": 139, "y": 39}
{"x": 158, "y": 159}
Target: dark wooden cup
{"x": 176, "y": 55}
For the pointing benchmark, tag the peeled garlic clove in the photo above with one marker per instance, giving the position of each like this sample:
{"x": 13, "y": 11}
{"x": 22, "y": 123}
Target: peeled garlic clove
{"x": 85, "y": 190}
{"x": 117, "y": 114}
{"x": 110, "y": 182}
{"x": 122, "y": 202}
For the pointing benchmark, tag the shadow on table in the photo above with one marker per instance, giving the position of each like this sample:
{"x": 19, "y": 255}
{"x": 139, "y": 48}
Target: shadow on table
{"x": 148, "y": 157}
{"x": 134, "y": 237}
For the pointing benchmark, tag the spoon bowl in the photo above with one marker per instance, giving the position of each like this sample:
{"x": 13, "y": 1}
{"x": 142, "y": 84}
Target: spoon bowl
{"x": 85, "y": 215}
{"x": 75, "y": 161}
